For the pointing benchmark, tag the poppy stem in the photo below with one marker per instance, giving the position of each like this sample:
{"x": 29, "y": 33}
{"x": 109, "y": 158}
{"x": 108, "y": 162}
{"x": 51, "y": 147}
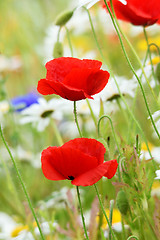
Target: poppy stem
{"x": 80, "y": 205}
{"x": 149, "y": 51}
{"x": 119, "y": 31}
{"x": 129, "y": 63}
{"x": 100, "y": 202}
{"x": 116, "y": 141}
{"x": 110, "y": 217}
{"x": 104, "y": 59}
{"x": 76, "y": 120}
{"x": 22, "y": 183}
{"x": 92, "y": 113}
{"x": 130, "y": 237}
{"x": 57, "y": 133}
{"x": 69, "y": 41}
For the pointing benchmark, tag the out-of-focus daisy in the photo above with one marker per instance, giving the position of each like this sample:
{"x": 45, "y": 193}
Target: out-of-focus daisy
{"x": 155, "y": 151}
{"x": 21, "y": 232}
{"x": 156, "y": 185}
{"x": 19, "y": 103}
{"x": 7, "y": 224}
{"x": 87, "y": 3}
{"x": 110, "y": 92}
{"x": 156, "y": 118}
{"x": 116, "y": 221}
{"x": 22, "y": 155}
{"x": 158, "y": 174}
{"x": 148, "y": 72}
{"x": 39, "y": 114}
{"x": 68, "y": 126}
{"x": 9, "y": 64}
{"x": 57, "y": 199}
{"x": 4, "y": 109}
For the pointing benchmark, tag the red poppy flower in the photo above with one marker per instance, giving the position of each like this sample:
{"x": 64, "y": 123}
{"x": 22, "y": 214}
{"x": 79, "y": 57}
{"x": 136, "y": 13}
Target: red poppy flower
{"x": 137, "y": 12}
{"x": 80, "y": 160}
{"x": 73, "y": 79}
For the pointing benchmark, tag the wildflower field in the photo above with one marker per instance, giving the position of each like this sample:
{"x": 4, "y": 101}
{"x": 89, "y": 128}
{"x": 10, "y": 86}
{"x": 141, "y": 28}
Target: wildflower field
{"x": 80, "y": 120}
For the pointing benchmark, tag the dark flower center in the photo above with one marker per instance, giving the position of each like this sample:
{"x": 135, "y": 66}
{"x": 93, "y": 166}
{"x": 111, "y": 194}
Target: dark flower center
{"x": 46, "y": 113}
{"x": 71, "y": 177}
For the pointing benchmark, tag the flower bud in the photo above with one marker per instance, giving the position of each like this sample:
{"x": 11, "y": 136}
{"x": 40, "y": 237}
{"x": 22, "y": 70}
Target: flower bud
{"x": 122, "y": 202}
{"x": 158, "y": 71}
{"x": 58, "y": 50}
{"x": 63, "y": 18}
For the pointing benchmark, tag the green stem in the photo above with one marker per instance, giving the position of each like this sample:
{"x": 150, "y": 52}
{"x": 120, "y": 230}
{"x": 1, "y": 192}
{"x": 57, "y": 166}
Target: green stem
{"x": 114, "y": 135}
{"x": 13, "y": 189}
{"x": 127, "y": 58}
{"x": 22, "y": 184}
{"x": 95, "y": 37}
{"x": 130, "y": 237}
{"x": 116, "y": 141}
{"x": 69, "y": 41}
{"x": 80, "y": 205}
{"x": 131, "y": 114}
{"x": 123, "y": 229}
{"x": 92, "y": 113}
{"x": 110, "y": 217}
{"x": 100, "y": 201}
{"x": 149, "y": 51}
{"x": 58, "y": 35}
{"x": 76, "y": 120}
{"x": 57, "y": 133}
{"x": 129, "y": 43}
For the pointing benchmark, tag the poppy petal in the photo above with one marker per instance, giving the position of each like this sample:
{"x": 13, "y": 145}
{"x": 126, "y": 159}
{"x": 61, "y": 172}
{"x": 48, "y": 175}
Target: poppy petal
{"x": 107, "y": 169}
{"x": 58, "y": 68}
{"x": 92, "y": 81}
{"x": 88, "y": 146}
{"x": 47, "y": 87}
{"x": 47, "y": 167}
{"x": 66, "y": 161}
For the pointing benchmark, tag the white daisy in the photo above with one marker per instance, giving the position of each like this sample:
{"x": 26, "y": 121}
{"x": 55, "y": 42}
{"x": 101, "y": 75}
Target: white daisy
{"x": 4, "y": 109}
{"x": 7, "y": 224}
{"x": 155, "y": 151}
{"x": 158, "y": 174}
{"x": 88, "y": 3}
{"x": 110, "y": 92}
{"x": 40, "y": 114}
{"x": 156, "y": 118}
{"x": 9, "y": 64}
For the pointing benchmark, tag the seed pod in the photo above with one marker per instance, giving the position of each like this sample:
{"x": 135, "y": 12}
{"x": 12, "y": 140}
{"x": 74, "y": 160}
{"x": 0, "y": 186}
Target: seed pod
{"x": 158, "y": 71}
{"x": 58, "y": 50}
{"x": 122, "y": 202}
{"x": 63, "y": 18}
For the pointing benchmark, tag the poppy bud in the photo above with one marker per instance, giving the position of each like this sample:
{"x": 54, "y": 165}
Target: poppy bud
{"x": 126, "y": 178}
{"x": 158, "y": 71}
{"x": 122, "y": 202}
{"x": 58, "y": 50}
{"x": 63, "y": 18}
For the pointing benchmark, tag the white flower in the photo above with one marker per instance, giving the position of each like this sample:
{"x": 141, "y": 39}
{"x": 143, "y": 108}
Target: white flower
{"x": 156, "y": 118}
{"x": 40, "y": 114}
{"x": 158, "y": 174}
{"x": 4, "y": 108}
{"x": 9, "y": 64}
{"x": 58, "y": 198}
{"x": 88, "y": 3}
{"x": 110, "y": 92}
{"x": 155, "y": 151}
{"x": 7, "y": 224}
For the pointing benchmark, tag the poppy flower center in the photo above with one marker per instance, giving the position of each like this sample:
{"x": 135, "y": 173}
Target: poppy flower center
{"x": 71, "y": 177}
{"x": 46, "y": 113}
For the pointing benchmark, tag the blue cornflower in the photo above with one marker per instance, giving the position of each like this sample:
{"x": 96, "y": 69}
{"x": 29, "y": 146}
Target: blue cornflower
{"x": 21, "y": 102}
